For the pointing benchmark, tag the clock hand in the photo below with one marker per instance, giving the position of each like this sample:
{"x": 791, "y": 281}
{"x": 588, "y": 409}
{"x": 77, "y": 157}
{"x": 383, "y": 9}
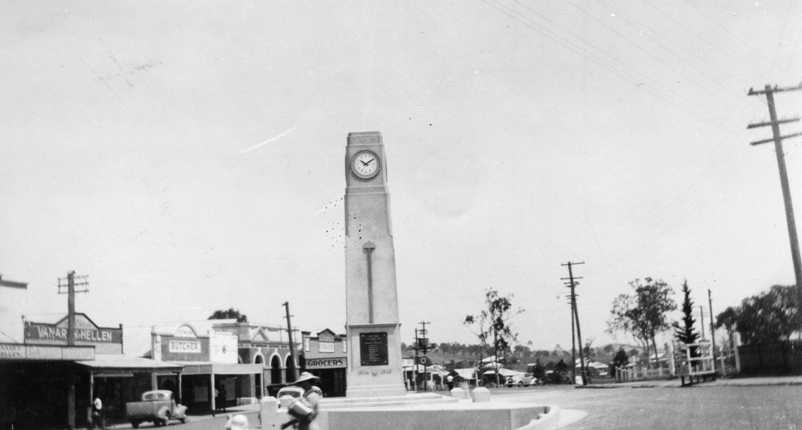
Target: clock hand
{"x": 370, "y": 161}
{"x": 364, "y": 163}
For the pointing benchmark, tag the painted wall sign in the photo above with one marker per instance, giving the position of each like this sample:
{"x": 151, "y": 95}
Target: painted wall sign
{"x": 85, "y": 332}
{"x": 184, "y": 346}
{"x": 16, "y": 351}
{"x": 326, "y": 363}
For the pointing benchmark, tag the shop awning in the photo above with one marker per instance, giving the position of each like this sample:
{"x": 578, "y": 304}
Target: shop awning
{"x": 207, "y": 368}
{"x": 121, "y": 365}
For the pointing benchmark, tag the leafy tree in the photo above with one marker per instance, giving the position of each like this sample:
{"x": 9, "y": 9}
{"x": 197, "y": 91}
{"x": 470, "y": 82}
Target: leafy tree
{"x": 769, "y": 316}
{"x": 494, "y": 321}
{"x": 643, "y": 313}
{"x": 728, "y": 319}
{"x": 229, "y": 313}
{"x": 621, "y": 358}
{"x": 685, "y": 332}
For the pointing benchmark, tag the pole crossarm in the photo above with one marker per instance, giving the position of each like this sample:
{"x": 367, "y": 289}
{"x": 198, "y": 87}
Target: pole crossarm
{"x": 773, "y": 89}
{"x": 768, "y": 123}
{"x": 770, "y": 140}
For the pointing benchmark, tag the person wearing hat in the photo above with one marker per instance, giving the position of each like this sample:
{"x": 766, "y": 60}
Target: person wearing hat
{"x": 305, "y": 408}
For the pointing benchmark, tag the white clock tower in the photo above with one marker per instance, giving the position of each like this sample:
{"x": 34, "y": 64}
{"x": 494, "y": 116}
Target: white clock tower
{"x": 372, "y": 326}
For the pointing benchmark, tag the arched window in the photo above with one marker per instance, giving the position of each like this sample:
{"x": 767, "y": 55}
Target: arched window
{"x": 275, "y": 370}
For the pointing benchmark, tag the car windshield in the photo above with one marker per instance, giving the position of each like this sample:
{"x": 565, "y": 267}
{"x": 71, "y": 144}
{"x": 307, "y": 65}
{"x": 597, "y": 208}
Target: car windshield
{"x": 155, "y": 396}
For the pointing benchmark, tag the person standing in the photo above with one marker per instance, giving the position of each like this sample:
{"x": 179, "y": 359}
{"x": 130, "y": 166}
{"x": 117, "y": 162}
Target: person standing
{"x": 305, "y": 408}
{"x": 97, "y": 414}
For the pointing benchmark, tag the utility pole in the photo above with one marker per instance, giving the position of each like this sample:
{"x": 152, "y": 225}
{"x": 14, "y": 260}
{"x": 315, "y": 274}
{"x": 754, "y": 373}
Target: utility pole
{"x": 423, "y": 345}
{"x": 415, "y": 373}
{"x": 777, "y": 138}
{"x": 68, "y": 286}
{"x": 573, "y": 338}
{"x": 702, "y": 322}
{"x": 712, "y": 324}
{"x": 572, "y": 284}
{"x": 291, "y": 368}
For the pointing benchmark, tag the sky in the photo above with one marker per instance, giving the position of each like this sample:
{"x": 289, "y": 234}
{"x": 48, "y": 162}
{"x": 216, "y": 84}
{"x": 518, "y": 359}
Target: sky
{"x": 188, "y": 155}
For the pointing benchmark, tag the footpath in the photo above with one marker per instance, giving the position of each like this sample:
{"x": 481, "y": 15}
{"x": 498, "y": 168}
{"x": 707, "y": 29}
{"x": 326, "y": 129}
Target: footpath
{"x": 757, "y": 381}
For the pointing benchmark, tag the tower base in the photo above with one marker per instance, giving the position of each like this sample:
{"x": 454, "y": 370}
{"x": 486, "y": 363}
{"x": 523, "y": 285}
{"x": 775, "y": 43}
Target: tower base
{"x": 374, "y": 360}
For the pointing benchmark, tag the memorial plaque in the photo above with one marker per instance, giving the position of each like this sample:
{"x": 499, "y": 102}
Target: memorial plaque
{"x": 373, "y": 349}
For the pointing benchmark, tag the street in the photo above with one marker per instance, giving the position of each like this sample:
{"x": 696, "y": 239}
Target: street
{"x": 698, "y": 407}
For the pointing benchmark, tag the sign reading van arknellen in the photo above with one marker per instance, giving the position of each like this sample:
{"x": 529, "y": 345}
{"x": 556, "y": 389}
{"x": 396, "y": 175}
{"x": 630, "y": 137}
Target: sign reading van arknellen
{"x": 107, "y": 340}
{"x": 373, "y": 349}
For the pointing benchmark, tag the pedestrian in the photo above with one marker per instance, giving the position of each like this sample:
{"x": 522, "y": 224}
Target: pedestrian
{"x": 305, "y": 409}
{"x": 450, "y": 382}
{"x": 220, "y": 400}
{"x": 97, "y": 414}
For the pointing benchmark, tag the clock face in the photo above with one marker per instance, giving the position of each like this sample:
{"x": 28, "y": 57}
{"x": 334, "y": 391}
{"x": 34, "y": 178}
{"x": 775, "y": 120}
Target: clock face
{"x": 365, "y": 164}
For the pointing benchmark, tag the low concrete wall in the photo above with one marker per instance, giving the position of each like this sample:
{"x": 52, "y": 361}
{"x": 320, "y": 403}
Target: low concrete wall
{"x": 530, "y": 418}
{"x": 219, "y": 422}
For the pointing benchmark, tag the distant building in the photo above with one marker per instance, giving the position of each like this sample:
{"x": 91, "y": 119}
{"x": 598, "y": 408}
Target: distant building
{"x": 241, "y": 362}
{"x": 325, "y": 354}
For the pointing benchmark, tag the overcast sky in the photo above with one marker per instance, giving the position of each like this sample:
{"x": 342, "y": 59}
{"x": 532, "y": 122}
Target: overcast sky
{"x": 188, "y": 155}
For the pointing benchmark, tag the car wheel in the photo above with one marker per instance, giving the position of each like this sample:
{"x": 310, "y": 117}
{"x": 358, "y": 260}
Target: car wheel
{"x": 135, "y": 424}
{"x": 183, "y": 420}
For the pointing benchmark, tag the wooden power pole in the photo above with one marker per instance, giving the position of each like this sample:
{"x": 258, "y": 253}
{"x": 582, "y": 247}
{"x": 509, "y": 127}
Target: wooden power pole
{"x": 777, "y": 138}
{"x": 291, "y": 376}
{"x": 68, "y": 286}
{"x": 572, "y": 285}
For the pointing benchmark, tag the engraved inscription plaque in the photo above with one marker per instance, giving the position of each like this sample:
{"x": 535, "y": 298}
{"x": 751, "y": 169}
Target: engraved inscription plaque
{"x": 373, "y": 349}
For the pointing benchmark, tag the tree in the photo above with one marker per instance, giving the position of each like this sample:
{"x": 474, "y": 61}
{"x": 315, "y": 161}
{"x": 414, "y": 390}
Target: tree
{"x": 685, "y": 332}
{"x": 728, "y": 319}
{"x": 769, "y": 316}
{"x": 621, "y": 359}
{"x": 494, "y": 322}
{"x": 229, "y": 313}
{"x": 643, "y": 313}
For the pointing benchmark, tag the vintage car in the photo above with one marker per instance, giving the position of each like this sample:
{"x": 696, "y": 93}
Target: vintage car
{"x": 157, "y": 406}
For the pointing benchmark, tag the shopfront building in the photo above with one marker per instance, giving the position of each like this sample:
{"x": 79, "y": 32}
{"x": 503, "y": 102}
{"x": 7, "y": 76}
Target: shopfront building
{"x": 213, "y": 377}
{"x": 325, "y": 355}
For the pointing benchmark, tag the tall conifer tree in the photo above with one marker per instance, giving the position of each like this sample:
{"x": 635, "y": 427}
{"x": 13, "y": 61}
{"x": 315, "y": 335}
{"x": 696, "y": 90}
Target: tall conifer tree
{"x": 685, "y": 332}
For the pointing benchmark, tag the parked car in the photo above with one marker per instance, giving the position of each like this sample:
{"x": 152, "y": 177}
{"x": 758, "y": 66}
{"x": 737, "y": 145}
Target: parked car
{"x": 157, "y": 406}
{"x": 526, "y": 380}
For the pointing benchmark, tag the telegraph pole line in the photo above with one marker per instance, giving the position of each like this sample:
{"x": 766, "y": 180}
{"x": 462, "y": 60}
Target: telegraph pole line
{"x": 777, "y": 138}
{"x": 712, "y": 325}
{"x": 68, "y": 286}
{"x": 423, "y": 344}
{"x": 702, "y": 322}
{"x": 573, "y": 338}
{"x": 572, "y": 284}
{"x": 291, "y": 368}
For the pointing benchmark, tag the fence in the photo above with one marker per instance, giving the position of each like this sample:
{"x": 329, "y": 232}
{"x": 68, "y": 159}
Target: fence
{"x": 771, "y": 358}
{"x": 638, "y": 373}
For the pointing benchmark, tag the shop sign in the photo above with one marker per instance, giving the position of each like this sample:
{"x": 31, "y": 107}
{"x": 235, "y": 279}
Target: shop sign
{"x": 326, "y": 363}
{"x": 16, "y": 351}
{"x": 85, "y": 331}
{"x": 12, "y": 351}
{"x": 183, "y": 346}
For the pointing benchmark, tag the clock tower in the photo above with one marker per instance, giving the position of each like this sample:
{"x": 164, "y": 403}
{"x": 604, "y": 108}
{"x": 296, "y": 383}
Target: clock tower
{"x": 372, "y": 326}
